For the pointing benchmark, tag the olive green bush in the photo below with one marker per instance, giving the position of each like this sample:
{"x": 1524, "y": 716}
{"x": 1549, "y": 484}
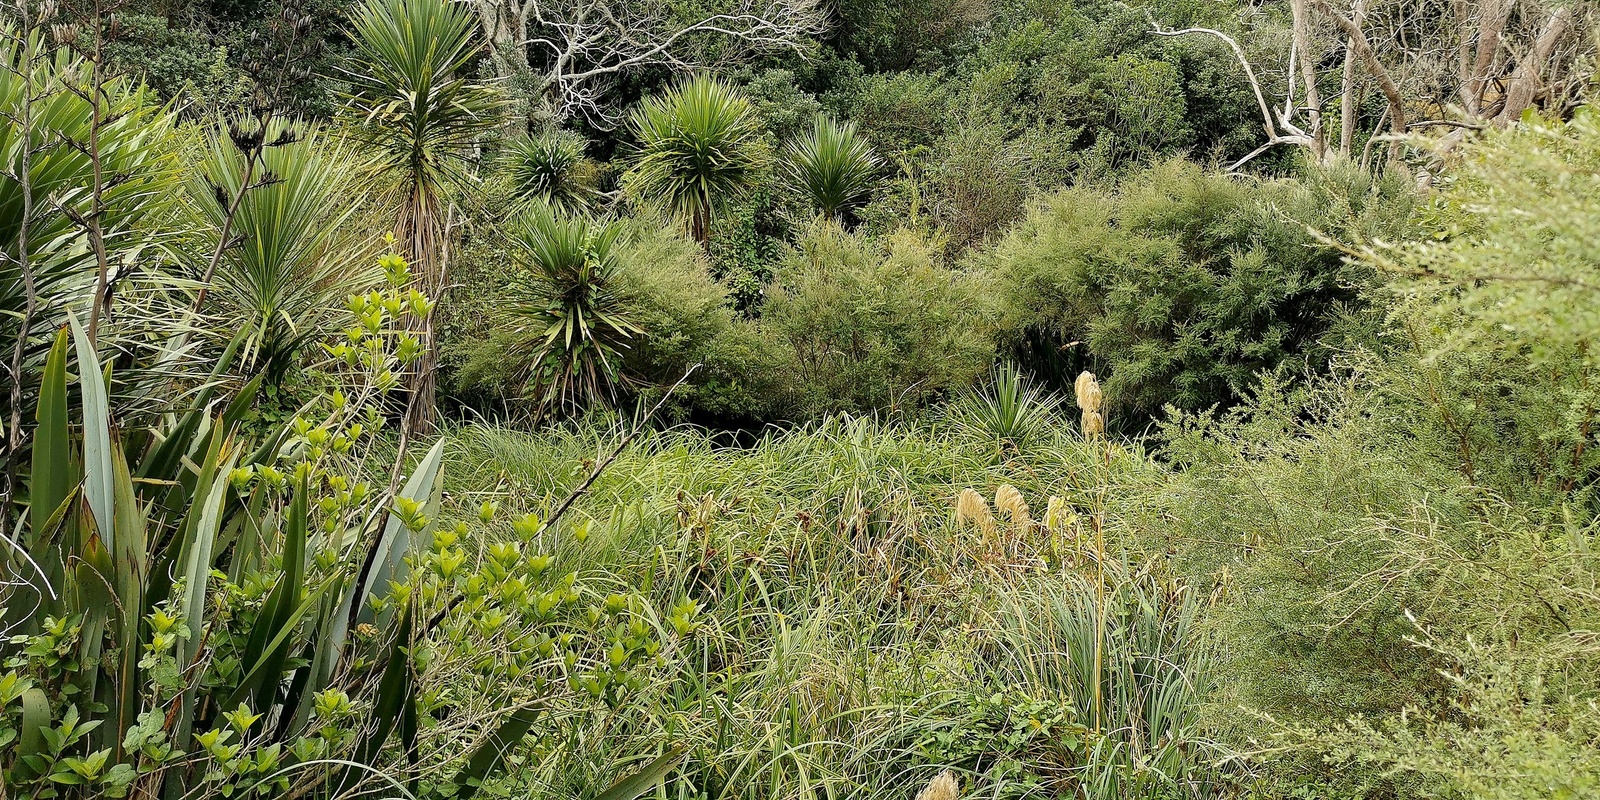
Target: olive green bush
{"x": 1405, "y": 550}
{"x": 676, "y": 317}
{"x": 1180, "y": 286}
{"x": 860, "y": 324}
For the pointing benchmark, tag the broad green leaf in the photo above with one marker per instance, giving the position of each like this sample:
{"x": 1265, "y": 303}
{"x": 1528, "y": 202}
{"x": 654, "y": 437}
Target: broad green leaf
{"x": 632, "y": 786}
{"x": 198, "y": 547}
{"x": 131, "y": 568}
{"x": 491, "y": 755}
{"x": 53, "y": 472}
{"x": 97, "y": 476}
{"x": 283, "y": 609}
{"x": 32, "y": 741}
{"x": 388, "y": 559}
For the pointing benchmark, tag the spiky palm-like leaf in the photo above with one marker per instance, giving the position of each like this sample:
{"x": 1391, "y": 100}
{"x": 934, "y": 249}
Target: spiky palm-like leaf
{"x": 406, "y": 101}
{"x": 295, "y": 259}
{"x": 60, "y": 260}
{"x": 551, "y": 167}
{"x": 1011, "y": 408}
{"x": 699, "y": 147}
{"x": 573, "y": 318}
{"x": 833, "y": 167}
{"x": 417, "y": 119}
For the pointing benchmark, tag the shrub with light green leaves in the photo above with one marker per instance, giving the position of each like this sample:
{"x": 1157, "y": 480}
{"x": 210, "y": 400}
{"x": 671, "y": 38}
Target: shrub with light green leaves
{"x": 860, "y": 324}
{"x": 1181, "y": 286}
{"x": 255, "y": 619}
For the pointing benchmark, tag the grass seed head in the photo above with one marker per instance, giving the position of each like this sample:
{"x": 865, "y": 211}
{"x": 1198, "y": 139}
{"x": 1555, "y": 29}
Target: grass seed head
{"x": 1088, "y": 392}
{"x": 1054, "y": 511}
{"x": 1093, "y": 424}
{"x": 1009, "y": 500}
{"x": 944, "y": 786}
{"x": 972, "y": 509}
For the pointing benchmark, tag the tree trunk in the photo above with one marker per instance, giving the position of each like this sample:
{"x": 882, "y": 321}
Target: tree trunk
{"x": 1492, "y": 19}
{"x": 1347, "y": 86}
{"x": 1369, "y": 59}
{"x": 1308, "y": 74}
{"x": 1526, "y": 82}
{"x": 422, "y": 231}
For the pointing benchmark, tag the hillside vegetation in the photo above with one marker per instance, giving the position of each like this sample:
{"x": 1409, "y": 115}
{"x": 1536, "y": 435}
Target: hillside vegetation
{"x": 722, "y": 400}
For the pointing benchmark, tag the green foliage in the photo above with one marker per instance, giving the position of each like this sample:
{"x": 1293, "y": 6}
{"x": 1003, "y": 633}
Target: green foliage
{"x": 295, "y": 258}
{"x": 551, "y": 167}
{"x": 176, "y": 61}
{"x": 687, "y": 318}
{"x": 891, "y": 35}
{"x": 413, "y": 111}
{"x": 134, "y": 145}
{"x": 833, "y": 168}
{"x": 1509, "y": 245}
{"x": 699, "y": 147}
{"x": 1405, "y": 552}
{"x": 1361, "y": 564}
{"x": 785, "y": 110}
{"x": 849, "y": 631}
{"x": 1012, "y": 407}
{"x": 253, "y": 619}
{"x": 677, "y": 316}
{"x": 861, "y": 324}
{"x": 1182, "y": 286}
{"x": 1142, "y": 734}
{"x": 571, "y": 319}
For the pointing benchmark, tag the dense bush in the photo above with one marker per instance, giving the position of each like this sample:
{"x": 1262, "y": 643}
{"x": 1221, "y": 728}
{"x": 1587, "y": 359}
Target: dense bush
{"x": 1406, "y": 552}
{"x": 861, "y": 324}
{"x": 675, "y": 314}
{"x": 1182, "y": 285}
{"x": 1359, "y": 561}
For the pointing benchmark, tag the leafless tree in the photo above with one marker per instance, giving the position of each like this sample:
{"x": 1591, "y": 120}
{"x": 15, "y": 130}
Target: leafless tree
{"x": 573, "y": 50}
{"x": 1461, "y": 64}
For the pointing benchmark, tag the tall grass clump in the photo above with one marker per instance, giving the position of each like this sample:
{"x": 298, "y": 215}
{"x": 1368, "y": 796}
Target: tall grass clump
{"x": 1012, "y": 407}
{"x": 851, "y": 636}
{"x": 1141, "y": 732}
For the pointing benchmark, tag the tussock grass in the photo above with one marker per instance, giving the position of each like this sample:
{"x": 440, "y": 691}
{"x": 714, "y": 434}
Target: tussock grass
{"x": 857, "y": 637}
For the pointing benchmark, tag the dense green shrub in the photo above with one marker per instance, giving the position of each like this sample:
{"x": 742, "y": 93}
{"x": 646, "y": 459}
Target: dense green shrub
{"x": 1181, "y": 285}
{"x": 676, "y": 316}
{"x": 1406, "y": 552}
{"x": 688, "y": 319}
{"x": 861, "y": 324}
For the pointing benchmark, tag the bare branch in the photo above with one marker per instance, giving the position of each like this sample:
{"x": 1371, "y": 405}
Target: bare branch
{"x": 578, "y": 47}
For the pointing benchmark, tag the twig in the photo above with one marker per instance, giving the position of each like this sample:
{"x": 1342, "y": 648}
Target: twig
{"x": 600, "y": 467}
